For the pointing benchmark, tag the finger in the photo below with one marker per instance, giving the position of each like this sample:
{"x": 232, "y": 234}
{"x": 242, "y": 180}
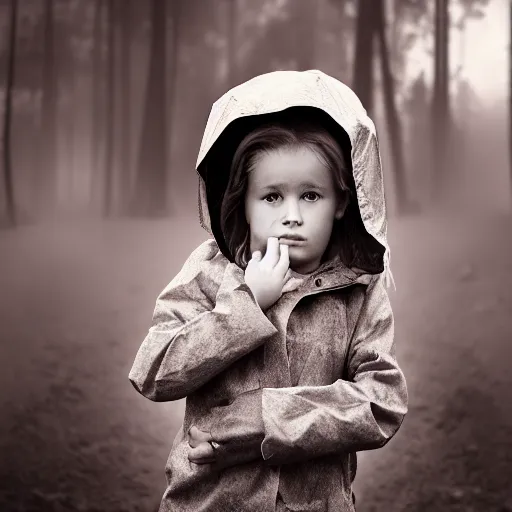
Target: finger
{"x": 256, "y": 255}
{"x": 272, "y": 253}
{"x": 192, "y": 439}
{"x": 195, "y": 432}
{"x": 203, "y": 452}
{"x": 196, "y": 436}
{"x": 209, "y": 460}
{"x": 203, "y": 461}
{"x": 288, "y": 275}
{"x": 284, "y": 260}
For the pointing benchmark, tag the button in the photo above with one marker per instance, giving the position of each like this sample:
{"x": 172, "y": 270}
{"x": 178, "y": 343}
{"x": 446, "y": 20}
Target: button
{"x": 318, "y": 282}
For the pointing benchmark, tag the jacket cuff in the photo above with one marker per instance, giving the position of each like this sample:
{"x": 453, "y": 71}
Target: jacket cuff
{"x": 233, "y": 293}
{"x": 270, "y": 446}
{"x": 238, "y": 428}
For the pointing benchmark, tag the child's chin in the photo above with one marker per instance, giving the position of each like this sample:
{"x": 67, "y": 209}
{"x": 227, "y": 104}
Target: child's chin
{"x": 299, "y": 265}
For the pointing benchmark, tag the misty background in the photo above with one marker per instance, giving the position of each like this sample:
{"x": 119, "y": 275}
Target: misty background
{"x": 103, "y": 107}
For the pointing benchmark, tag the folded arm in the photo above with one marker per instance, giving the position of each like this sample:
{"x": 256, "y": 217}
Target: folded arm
{"x": 360, "y": 413}
{"x": 198, "y": 329}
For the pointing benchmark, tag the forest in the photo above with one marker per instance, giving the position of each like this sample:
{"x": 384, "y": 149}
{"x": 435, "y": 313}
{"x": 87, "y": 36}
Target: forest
{"x": 104, "y": 101}
{"x": 103, "y": 104}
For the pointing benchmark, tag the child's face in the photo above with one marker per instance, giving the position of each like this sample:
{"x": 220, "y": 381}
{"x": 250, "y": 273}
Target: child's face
{"x": 290, "y": 191}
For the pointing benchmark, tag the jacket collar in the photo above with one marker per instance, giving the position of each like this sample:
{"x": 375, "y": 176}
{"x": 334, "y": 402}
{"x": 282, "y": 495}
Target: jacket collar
{"x": 330, "y": 275}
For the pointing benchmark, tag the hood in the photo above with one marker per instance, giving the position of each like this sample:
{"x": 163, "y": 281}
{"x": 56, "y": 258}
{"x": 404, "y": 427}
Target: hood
{"x": 242, "y": 108}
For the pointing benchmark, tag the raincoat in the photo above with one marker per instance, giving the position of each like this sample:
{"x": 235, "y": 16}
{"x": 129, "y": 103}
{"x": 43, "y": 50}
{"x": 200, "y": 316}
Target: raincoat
{"x": 294, "y": 391}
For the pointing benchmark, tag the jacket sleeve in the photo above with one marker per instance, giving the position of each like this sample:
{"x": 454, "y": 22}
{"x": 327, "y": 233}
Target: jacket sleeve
{"x": 303, "y": 422}
{"x": 198, "y": 329}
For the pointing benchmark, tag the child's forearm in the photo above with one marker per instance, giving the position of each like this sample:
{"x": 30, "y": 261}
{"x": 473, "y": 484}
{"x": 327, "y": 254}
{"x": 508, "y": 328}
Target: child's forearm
{"x": 360, "y": 413}
{"x": 191, "y": 341}
{"x": 300, "y": 423}
{"x": 307, "y": 422}
{"x": 285, "y": 425}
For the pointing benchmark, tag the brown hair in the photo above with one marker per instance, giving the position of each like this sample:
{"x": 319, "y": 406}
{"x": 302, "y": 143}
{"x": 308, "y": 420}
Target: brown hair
{"x": 287, "y": 132}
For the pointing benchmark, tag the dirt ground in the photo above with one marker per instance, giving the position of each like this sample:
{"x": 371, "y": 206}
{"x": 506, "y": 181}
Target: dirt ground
{"x": 76, "y": 301}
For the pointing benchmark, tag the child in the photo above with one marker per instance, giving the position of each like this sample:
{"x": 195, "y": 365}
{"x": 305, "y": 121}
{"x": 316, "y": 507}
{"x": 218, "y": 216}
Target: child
{"x": 278, "y": 329}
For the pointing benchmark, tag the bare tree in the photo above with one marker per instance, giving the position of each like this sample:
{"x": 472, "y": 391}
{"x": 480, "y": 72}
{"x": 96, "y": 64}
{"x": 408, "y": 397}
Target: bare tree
{"x": 97, "y": 83}
{"x": 108, "y": 172}
{"x": 441, "y": 117}
{"x": 70, "y": 79}
{"x": 363, "y": 76}
{"x": 346, "y": 29}
{"x": 127, "y": 25}
{"x": 417, "y": 109}
{"x": 7, "y": 146}
{"x": 393, "y": 119}
{"x": 305, "y": 25}
{"x": 45, "y": 181}
{"x": 231, "y": 42}
{"x": 177, "y": 7}
{"x": 150, "y": 190}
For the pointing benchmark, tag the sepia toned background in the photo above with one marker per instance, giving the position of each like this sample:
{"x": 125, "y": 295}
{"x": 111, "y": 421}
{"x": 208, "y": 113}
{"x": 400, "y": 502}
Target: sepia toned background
{"x": 103, "y": 104}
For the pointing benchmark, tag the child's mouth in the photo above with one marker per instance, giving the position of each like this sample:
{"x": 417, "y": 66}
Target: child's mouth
{"x": 291, "y": 241}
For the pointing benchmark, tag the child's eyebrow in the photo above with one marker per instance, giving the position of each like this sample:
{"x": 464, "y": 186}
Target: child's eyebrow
{"x": 307, "y": 184}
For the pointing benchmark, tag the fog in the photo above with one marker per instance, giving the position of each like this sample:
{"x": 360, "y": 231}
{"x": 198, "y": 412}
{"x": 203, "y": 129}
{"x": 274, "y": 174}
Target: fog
{"x": 105, "y": 223}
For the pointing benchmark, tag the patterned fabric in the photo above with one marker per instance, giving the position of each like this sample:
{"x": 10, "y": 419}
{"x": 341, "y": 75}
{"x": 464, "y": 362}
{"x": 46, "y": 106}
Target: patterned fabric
{"x": 292, "y": 393}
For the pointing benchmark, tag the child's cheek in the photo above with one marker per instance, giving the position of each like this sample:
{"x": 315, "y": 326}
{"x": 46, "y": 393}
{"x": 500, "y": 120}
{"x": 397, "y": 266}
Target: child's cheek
{"x": 257, "y": 244}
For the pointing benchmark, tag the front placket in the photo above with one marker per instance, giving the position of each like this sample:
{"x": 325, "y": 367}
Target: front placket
{"x": 276, "y": 361}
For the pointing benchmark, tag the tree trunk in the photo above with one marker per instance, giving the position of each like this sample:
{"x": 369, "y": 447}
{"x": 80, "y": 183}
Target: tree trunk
{"x": 463, "y": 106}
{"x": 393, "y": 120}
{"x": 45, "y": 181}
{"x": 150, "y": 190}
{"x": 177, "y": 8}
{"x": 417, "y": 110}
{"x": 363, "y": 79}
{"x": 396, "y": 54}
{"x": 345, "y": 40}
{"x": 126, "y": 93}
{"x": 305, "y": 24}
{"x": 8, "y": 176}
{"x": 440, "y": 102}
{"x": 97, "y": 126}
{"x": 72, "y": 112}
{"x": 231, "y": 43}
{"x": 510, "y": 94}
{"x": 109, "y": 142}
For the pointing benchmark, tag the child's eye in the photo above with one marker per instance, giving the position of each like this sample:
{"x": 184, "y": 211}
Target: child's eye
{"x": 312, "y": 194}
{"x": 271, "y": 195}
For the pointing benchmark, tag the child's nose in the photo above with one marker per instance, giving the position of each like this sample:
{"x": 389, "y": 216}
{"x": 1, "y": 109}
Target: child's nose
{"x": 292, "y": 213}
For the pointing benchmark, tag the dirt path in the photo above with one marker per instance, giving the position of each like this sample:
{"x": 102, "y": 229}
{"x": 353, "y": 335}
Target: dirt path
{"x": 454, "y": 327}
{"x": 76, "y": 303}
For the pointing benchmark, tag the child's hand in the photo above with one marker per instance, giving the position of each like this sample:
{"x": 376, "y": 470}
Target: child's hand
{"x": 266, "y": 277}
{"x": 200, "y": 450}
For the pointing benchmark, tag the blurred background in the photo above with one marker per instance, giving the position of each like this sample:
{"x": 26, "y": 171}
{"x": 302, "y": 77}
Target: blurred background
{"x": 103, "y": 107}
